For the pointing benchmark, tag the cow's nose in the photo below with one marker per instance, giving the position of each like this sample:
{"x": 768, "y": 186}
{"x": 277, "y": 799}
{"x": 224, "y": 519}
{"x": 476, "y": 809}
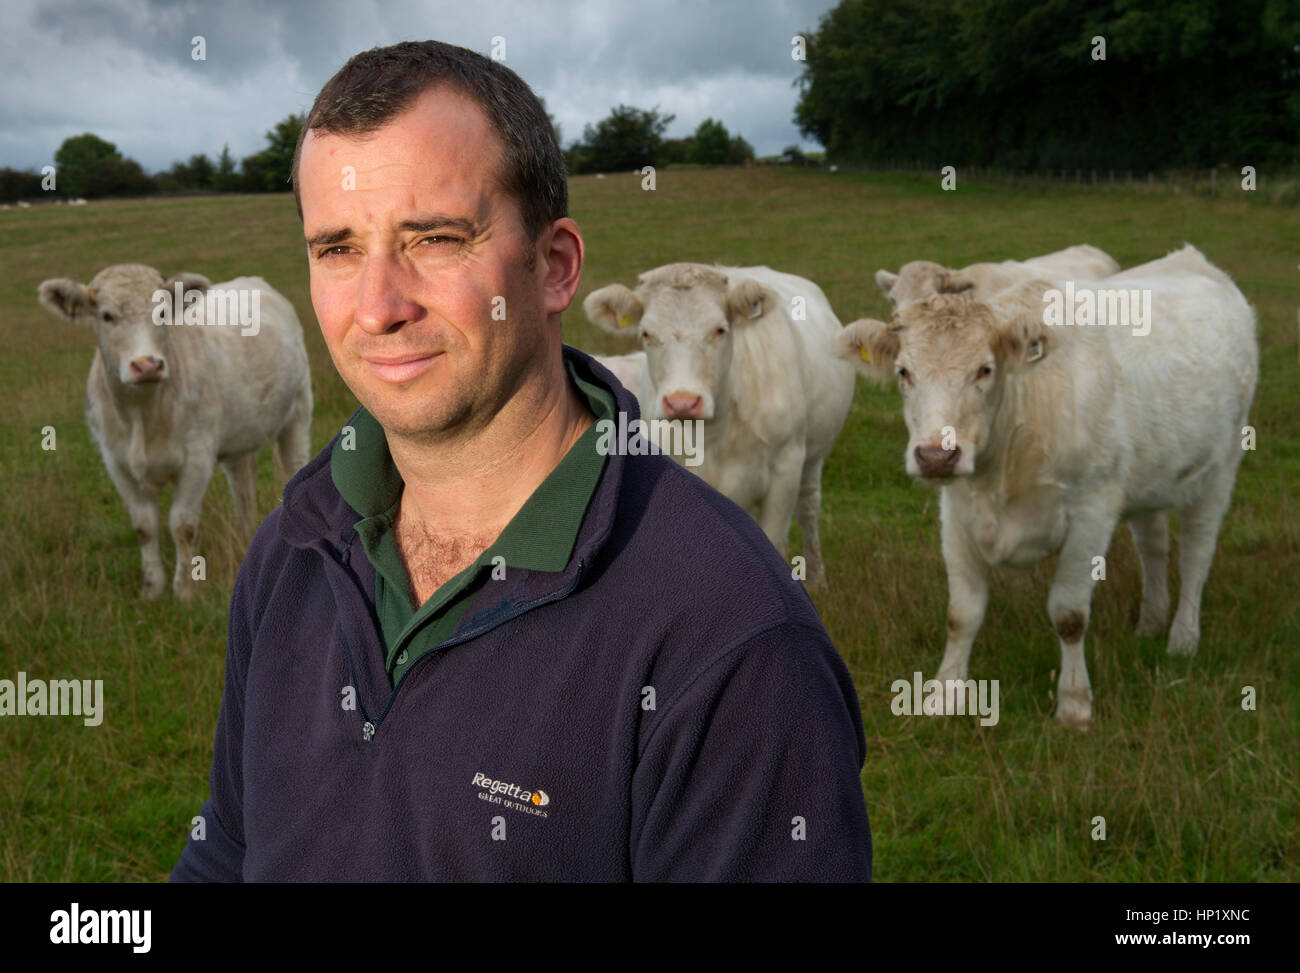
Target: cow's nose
{"x": 937, "y": 461}
{"x": 681, "y": 406}
{"x": 146, "y": 369}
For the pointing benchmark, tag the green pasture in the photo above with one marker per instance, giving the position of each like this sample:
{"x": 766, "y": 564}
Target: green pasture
{"x": 1192, "y": 786}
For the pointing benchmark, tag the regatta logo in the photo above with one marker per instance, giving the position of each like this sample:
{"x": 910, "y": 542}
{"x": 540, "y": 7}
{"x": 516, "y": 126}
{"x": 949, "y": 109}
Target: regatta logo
{"x": 511, "y": 795}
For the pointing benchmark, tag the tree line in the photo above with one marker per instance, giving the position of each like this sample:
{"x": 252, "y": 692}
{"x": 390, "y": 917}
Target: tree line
{"x": 89, "y": 166}
{"x": 1135, "y": 85}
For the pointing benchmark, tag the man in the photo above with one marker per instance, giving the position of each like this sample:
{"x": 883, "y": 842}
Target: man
{"x": 469, "y": 645}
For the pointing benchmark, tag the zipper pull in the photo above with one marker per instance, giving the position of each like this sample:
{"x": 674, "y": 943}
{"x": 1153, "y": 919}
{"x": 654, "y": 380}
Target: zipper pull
{"x": 367, "y": 731}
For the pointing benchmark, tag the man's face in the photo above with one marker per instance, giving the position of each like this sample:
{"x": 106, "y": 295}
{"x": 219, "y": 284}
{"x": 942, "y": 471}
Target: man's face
{"x": 416, "y": 256}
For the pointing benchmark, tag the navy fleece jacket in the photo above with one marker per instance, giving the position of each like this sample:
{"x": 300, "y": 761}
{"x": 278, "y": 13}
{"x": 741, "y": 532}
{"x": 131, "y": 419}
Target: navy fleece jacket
{"x": 668, "y": 707}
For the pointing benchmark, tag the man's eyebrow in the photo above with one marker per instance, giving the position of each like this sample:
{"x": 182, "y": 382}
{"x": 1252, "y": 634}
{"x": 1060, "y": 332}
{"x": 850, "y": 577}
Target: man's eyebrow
{"x": 329, "y": 236}
{"x": 332, "y": 235}
{"x": 438, "y": 221}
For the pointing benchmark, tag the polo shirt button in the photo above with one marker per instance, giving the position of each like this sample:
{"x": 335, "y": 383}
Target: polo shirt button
{"x": 401, "y": 659}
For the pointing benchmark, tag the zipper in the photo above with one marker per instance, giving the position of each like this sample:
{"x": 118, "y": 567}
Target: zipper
{"x": 370, "y": 727}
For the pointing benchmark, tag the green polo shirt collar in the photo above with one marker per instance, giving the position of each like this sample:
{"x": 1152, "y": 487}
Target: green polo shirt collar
{"x": 540, "y": 537}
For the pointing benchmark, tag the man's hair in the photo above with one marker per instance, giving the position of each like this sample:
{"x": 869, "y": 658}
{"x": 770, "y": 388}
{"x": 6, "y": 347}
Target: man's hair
{"x": 377, "y": 85}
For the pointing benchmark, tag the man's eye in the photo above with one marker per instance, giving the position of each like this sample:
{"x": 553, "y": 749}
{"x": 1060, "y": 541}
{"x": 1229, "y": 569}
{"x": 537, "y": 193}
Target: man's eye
{"x": 335, "y": 251}
{"x": 442, "y": 240}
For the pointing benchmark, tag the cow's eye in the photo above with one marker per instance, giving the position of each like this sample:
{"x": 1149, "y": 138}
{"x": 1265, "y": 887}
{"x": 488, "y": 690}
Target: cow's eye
{"x": 904, "y": 375}
{"x": 720, "y": 333}
{"x": 106, "y": 317}
{"x": 984, "y": 372}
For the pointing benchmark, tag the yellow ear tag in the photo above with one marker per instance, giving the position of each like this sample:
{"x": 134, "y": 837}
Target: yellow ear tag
{"x": 865, "y": 357}
{"x": 624, "y": 320}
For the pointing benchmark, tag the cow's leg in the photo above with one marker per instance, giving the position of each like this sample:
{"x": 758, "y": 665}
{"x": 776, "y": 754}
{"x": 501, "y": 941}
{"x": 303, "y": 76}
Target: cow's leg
{"x": 1069, "y": 605}
{"x": 183, "y": 519}
{"x": 782, "y": 495}
{"x": 1151, "y": 535}
{"x": 808, "y": 510}
{"x": 293, "y": 445}
{"x": 142, "y": 507}
{"x": 1200, "y": 521}
{"x": 241, "y": 473}
{"x": 968, "y": 594}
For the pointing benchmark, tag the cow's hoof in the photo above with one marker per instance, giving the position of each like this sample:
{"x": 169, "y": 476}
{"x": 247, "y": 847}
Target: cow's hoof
{"x": 151, "y": 592}
{"x": 1075, "y": 709}
{"x": 1151, "y": 623}
{"x": 1183, "y": 641}
{"x": 185, "y": 592}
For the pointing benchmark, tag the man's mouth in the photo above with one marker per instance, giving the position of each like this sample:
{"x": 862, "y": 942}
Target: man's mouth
{"x": 400, "y": 368}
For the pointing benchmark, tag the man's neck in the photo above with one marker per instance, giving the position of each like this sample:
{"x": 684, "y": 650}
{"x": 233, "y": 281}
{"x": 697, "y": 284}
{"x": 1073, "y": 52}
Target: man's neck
{"x": 480, "y": 484}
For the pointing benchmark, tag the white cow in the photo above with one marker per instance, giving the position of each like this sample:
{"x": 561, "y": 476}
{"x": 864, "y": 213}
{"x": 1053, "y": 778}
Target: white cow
{"x": 633, "y": 370}
{"x": 922, "y": 278}
{"x": 1044, "y": 437}
{"x": 749, "y": 352}
{"x": 188, "y": 374}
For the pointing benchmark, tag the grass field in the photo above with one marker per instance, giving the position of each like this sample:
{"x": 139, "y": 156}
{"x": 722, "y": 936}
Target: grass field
{"x": 1191, "y": 786}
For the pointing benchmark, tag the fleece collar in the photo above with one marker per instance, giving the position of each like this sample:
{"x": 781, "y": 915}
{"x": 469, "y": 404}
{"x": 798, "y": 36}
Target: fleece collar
{"x": 315, "y": 515}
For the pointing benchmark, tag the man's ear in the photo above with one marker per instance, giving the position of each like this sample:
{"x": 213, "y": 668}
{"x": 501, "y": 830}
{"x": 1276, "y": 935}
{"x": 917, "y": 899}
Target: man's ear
{"x": 64, "y": 297}
{"x": 871, "y": 346}
{"x": 748, "y": 299}
{"x": 1019, "y": 333}
{"x": 613, "y": 308}
{"x": 886, "y": 281}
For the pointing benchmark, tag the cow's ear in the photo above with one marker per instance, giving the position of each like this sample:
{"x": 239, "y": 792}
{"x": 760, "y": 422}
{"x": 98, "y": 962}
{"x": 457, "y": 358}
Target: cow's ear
{"x": 1019, "y": 333}
{"x": 64, "y": 297}
{"x": 955, "y": 282}
{"x": 886, "y": 281}
{"x": 614, "y": 308}
{"x": 188, "y": 281}
{"x": 871, "y": 346}
{"x": 748, "y": 299}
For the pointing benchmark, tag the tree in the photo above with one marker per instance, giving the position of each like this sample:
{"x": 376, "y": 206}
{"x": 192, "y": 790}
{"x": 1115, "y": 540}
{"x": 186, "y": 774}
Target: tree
{"x": 16, "y": 184}
{"x": 628, "y": 138}
{"x": 76, "y": 160}
{"x": 1020, "y": 83}
{"x": 271, "y": 169}
{"x": 713, "y": 145}
{"x": 224, "y": 179}
{"x": 86, "y": 165}
{"x": 202, "y": 171}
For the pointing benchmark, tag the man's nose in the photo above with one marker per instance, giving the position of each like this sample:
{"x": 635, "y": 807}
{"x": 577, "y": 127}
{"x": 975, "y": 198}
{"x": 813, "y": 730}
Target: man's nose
{"x": 382, "y": 302}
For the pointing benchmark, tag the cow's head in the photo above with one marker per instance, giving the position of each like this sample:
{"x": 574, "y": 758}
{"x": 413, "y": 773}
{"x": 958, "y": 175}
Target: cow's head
{"x": 125, "y": 306}
{"x": 684, "y": 315}
{"x": 952, "y": 356}
{"x": 920, "y": 279}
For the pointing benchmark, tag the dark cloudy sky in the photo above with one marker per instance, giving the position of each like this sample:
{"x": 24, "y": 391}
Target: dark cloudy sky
{"x": 123, "y": 68}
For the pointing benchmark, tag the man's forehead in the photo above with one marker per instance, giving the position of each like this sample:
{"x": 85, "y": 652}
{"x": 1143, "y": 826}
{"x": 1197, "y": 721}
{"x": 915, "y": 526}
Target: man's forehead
{"x": 440, "y": 142}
